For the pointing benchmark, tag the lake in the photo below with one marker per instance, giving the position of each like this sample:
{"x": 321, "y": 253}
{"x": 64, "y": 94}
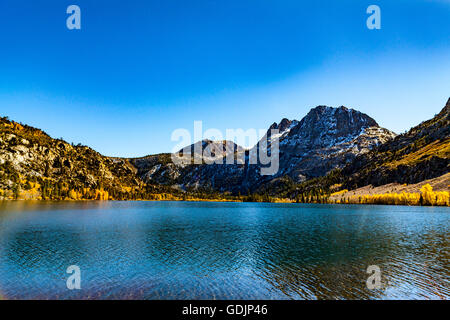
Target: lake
{"x": 209, "y": 250}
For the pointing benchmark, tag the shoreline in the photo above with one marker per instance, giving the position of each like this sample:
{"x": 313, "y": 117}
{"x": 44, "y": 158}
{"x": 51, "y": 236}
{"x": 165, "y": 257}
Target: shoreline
{"x": 221, "y": 201}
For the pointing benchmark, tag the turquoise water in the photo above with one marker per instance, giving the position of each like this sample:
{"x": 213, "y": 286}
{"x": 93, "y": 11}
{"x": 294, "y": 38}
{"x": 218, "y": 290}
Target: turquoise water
{"x": 187, "y": 250}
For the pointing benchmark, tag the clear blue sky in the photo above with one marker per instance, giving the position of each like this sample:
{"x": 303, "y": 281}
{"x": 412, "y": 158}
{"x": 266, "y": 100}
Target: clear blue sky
{"x": 137, "y": 70}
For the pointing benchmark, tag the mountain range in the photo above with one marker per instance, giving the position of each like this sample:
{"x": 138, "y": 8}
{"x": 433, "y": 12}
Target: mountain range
{"x": 328, "y": 149}
{"x": 325, "y": 139}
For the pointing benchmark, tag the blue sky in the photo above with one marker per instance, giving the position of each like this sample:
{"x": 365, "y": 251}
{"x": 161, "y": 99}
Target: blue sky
{"x": 137, "y": 70}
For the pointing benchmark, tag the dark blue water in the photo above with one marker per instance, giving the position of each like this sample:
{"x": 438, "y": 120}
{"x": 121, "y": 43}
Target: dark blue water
{"x": 179, "y": 250}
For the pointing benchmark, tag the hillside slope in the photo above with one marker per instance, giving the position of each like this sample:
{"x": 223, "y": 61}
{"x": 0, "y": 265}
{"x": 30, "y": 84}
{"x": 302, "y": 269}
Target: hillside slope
{"x": 35, "y": 166}
{"x": 420, "y": 154}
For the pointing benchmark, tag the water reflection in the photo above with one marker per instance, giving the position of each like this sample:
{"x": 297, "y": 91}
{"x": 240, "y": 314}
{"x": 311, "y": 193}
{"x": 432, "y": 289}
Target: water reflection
{"x": 175, "y": 250}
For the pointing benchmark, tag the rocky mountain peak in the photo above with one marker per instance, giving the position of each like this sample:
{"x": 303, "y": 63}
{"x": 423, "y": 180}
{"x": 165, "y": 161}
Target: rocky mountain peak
{"x": 327, "y": 138}
{"x": 283, "y": 125}
{"x": 223, "y": 147}
{"x": 324, "y": 126}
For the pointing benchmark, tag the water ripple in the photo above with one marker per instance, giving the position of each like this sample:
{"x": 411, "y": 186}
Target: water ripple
{"x": 173, "y": 250}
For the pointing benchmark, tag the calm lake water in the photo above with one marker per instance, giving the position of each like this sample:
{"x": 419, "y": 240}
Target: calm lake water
{"x": 179, "y": 250}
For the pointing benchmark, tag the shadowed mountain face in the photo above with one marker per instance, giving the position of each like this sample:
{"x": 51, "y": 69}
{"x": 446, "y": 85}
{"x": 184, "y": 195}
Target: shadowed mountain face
{"x": 325, "y": 139}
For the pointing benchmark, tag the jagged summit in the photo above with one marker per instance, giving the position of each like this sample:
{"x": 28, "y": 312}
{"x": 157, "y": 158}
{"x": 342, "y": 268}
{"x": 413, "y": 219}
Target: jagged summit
{"x": 325, "y": 122}
{"x": 327, "y": 138}
{"x": 283, "y": 127}
{"x": 284, "y": 124}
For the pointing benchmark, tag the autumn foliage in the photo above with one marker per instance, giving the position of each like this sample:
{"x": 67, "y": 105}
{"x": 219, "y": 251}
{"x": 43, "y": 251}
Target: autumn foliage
{"x": 426, "y": 197}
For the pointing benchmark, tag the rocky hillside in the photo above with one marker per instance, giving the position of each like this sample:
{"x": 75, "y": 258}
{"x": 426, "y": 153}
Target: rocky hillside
{"x": 325, "y": 139}
{"x": 420, "y": 154}
{"x": 33, "y": 165}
